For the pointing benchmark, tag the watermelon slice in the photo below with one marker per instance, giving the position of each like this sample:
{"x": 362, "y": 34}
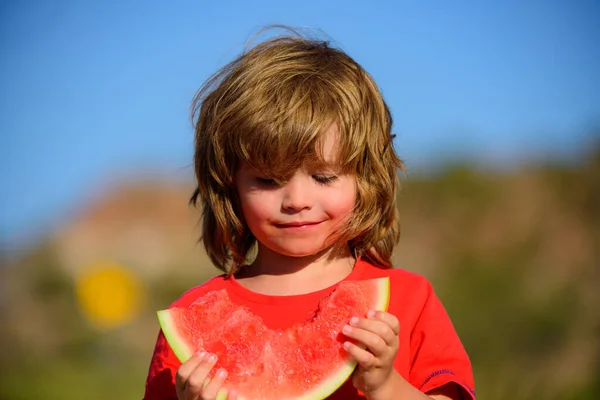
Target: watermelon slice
{"x": 305, "y": 361}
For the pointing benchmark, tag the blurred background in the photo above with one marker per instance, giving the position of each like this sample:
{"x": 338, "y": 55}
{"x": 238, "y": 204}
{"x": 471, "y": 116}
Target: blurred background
{"x": 497, "y": 116}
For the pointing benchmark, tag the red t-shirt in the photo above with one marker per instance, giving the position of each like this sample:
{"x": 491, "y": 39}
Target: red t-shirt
{"x": 430, "y": 353}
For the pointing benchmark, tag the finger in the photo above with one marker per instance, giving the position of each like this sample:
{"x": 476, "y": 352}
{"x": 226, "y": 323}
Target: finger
{"x": 364, "y": 358}
{"x": 371, "y": 340}
{"x": 198, "y": 378}
{"x": 376, "y": 326}
{"x": 211, "y": 390}
{"x": 232, "y": 394}
{"x": 388, "y": 318}
{"x": 186, "y": 369}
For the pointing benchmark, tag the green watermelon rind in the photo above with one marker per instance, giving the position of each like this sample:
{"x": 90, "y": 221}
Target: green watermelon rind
{"x": 329, "y": 385}
{"x": 179, "y": 347}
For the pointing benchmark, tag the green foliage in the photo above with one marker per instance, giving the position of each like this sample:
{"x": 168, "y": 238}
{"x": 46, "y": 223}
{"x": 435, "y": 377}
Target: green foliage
{"x": 501, "y": 328}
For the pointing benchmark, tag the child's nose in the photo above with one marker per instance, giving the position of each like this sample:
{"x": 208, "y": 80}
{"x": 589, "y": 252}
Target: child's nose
{"x": 296, "y": 195}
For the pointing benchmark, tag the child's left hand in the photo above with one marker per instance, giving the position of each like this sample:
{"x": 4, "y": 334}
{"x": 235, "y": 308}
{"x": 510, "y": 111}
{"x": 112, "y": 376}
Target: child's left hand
{"x": 375, "y": 347}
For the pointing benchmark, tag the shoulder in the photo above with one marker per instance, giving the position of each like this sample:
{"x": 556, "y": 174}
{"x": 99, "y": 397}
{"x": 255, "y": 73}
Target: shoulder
{"x": 193, "y": 294}
{"x": 410, "y": 293}
{"x": 401, "y": 281}
{"x": 395, "y": 274}
{"x": 407, "y": 279}
{"x": 410, "y": 287}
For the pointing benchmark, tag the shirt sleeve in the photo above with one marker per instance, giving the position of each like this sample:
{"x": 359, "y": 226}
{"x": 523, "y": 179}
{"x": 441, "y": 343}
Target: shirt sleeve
{"x": 160, "y": 383}
{"x": 437, "y": 355}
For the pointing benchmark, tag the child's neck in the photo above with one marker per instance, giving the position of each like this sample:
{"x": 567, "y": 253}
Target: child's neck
{"x": 279, "y": 275}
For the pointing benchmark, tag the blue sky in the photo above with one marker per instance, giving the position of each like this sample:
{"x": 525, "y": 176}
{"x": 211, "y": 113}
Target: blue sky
{"x": 90, "y": 91}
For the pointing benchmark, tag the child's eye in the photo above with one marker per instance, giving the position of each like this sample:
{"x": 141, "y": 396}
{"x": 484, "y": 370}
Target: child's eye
{"x": 267, "y": 181}
{"x": 324, "y": 179}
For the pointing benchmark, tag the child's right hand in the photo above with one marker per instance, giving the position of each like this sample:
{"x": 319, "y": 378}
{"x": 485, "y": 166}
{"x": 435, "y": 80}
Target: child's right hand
{"x": 192, "y": 376}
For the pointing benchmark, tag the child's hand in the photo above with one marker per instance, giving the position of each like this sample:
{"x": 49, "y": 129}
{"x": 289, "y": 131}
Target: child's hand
{"x": 376, "y": 346}
{"x": 191, "y": 379}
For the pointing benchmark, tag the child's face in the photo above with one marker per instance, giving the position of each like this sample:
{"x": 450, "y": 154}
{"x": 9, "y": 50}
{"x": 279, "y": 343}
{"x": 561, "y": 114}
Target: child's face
{"x": 296, "y": 218}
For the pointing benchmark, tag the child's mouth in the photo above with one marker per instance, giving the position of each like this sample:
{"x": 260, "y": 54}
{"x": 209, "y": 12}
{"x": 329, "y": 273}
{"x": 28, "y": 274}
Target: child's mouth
{"x": 298, "y": 225}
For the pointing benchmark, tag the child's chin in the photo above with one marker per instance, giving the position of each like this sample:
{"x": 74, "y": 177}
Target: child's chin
{"x": 301, "y": 252}
{"x": 298, "y": 248}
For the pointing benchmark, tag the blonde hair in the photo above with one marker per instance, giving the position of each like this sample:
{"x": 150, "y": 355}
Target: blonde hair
{"x": 268, "y": 109}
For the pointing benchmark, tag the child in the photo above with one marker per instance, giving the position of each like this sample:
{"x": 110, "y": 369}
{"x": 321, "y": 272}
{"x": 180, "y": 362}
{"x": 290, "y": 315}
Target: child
{"x": 295, "y": 164}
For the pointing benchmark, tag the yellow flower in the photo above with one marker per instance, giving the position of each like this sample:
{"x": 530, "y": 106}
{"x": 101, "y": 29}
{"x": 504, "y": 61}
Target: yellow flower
{"x": 109, "y": 294}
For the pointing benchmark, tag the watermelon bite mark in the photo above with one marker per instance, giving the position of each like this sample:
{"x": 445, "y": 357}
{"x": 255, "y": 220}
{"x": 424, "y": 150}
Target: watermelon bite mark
{"x": 305, "y": 361}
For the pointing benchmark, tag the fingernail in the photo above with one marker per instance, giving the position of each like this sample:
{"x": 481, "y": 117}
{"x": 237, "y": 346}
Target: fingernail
{"x": 201, "y": 355}
{"x": 346, "y": 345}
{"x": 354, "y": 320}
{"x": 222, "y": 373}
{"x": 371, "y": 314}
{"x": 212, "y": 358}
{"x": 346, "y": 329}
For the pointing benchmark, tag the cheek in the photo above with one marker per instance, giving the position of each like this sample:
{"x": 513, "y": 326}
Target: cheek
{"x": 342, "y": 203}
{"x": 345, "y": 207}
{"x": 255, "y": 208}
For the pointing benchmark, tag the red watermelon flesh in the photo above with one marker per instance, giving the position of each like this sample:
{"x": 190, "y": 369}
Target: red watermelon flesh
{"x": 305, "y": 361}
